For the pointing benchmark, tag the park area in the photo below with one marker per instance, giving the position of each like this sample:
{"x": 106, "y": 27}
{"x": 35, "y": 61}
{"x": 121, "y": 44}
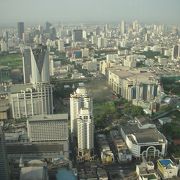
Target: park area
{"x": 13, "y": 61}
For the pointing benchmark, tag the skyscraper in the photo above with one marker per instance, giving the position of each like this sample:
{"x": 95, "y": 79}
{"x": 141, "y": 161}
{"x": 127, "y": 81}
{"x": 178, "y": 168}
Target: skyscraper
{"x": 40, "y": 64}
{"x": 77, "y": 35}
{"x": 26, "y": 54}
{"x": 4, "y": 172}
{"x": 20, "y": 29}
{"x": 123, "y": 27}
{"x": 78, "y": 100}
{"x": 82, "y": 124}
{"x": 176, "y": 52}
{"x": 47, "y": 27}
{"x": 36, "y": 65}
{"x": 85, "y": 132}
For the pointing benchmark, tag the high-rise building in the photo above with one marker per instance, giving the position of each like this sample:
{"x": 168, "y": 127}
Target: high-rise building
{"x": 85, "y": 132}
{"x": 31, "y": 100}
{"x": 20, "y": 27}
{"x": 36, "y": 65}
{"x": 47, "y": 27}
{"x": 77, "y": 35}
{"x": 40, "y": 65}
{"x": 61, "y": 45}
{"x": 176, "y": 52}
{"x": 82, "y": 124}
{"x": 26, "y": 55}
{"x": 123, "y": 27}
{"x": 79, "y": 99}
{"x": 102, "y": 42}
{"x": 4, "y": 170}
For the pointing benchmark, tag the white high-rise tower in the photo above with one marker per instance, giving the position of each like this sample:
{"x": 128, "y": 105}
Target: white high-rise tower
{"x": 82, "y": 124}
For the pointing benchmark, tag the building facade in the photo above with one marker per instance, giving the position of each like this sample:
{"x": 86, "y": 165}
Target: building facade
{"x": 167, "y": 169}
{"x": 77, "y": 35}
{"x": 36, "y": 65}
{"x": 78, "y": 100}
{"x": 82, "y": 124}
{"x": 20, "y": 28}
{"x": 4, "y": 170}
{"x": 26, "y": 56}
{"x": 50, "y": 129}
{"x": 36, "y": 100}
{"x": 134, "y": 85}
{"x": 85, "y": 132}
{"x": 141, "y": 144}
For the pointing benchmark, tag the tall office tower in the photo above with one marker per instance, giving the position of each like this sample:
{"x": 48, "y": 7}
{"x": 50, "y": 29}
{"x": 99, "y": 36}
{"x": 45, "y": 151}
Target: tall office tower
{"x": 176, "y": 52}
{"x": 47, "y": 27}
{"x": 36, "y": 65}
{"x": 123, "y": 27}
{"x": 27, "y": 101}
{"x": 52, "y": 33}
{"x": 40, "y": 65}
{"x": 20, "y": 30}
{"x": 77, "y": 35}
{"x": 61, "y": 45}
{"x": 4, "y": 171}
{"x": 26, "y": 56}
{"x": 82, "y": 124}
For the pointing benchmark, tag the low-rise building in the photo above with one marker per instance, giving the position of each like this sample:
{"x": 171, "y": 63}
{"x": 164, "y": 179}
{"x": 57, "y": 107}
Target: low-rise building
{"x": 123, "y": 153}
{"x": 167, "y": 169}
{"x": 144, "y": 140}
{"x": 107, "y": 157}
{"x": 145, "y": 171}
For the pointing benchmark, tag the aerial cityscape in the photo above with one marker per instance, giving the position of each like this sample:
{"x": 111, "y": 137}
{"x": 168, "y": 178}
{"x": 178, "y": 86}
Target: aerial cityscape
{"x": 90, "y": 90}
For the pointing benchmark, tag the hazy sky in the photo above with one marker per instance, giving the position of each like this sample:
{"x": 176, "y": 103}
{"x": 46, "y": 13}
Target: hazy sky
{"x": 12, "y": 11}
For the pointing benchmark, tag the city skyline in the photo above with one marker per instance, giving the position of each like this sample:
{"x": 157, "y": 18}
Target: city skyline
{"x": 93, "y": 11}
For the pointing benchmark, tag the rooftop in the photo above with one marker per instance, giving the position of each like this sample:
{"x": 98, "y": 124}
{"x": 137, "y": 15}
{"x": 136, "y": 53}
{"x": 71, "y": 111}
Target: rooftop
{"x": 32, "y": 173}
{"x": 134, "y": 75}
{"x": 49, "y": 117}
{"x": 140, "y": 135}
{"x": 167, "y": 163}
